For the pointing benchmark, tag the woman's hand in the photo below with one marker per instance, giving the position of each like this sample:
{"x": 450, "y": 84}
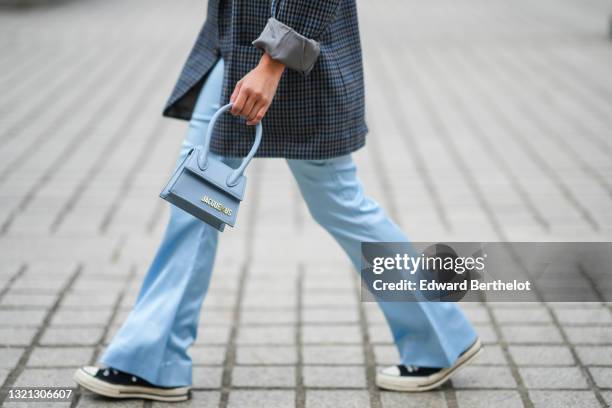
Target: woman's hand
{"x": 254, "y": 92}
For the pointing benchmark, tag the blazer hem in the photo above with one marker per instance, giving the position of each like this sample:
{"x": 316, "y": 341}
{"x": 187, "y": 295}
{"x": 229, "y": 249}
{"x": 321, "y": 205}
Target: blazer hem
{"x": 310, "y": 150}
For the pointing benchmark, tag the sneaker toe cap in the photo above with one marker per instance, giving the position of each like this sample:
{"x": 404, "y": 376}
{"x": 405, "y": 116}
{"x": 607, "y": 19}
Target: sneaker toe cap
{"x": 91, "y": 370}
{"x": 391, "y": 371}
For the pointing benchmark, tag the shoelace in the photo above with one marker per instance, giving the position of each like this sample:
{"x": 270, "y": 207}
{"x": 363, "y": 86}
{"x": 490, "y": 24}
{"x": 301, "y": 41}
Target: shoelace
{"x": 412, "y": 369}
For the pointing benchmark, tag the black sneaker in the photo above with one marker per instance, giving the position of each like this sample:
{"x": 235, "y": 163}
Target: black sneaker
{"x": 117, "y": 384}
{"x": 415, "y": 379}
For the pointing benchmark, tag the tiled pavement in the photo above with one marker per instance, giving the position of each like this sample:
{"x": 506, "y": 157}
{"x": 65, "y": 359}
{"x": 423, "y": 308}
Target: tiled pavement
{"x": 490, "y": 120}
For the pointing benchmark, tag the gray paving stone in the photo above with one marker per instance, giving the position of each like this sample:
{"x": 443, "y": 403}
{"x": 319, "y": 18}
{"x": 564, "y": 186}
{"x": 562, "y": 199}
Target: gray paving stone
{"x": 491, "y": 355}
{"x": 34, "y": 284}
{"x": 477, "y": 314}
{"x": 380, "y": 334}
{"x": 100, "y": 271}
{"x": 50, "y": 269}
{"x": 337, "y": 399}
{"x": 564, "y": 399}
{"x": 46, "y": 377}
{"x": 112, "y": 331}
{"x": 263, "y": 398}
{"x": 22, "y": 299}
{"x": 65, "y": 404}
{"x": 484, "y": 377}
{"x": 278, "y": 300}
{"x": 60, "y": 356}
{"x": 607, "y": 396}
{"x": 486, "y": 399}
{"x": 523, "y": 315}
{"x": 260, "y": 283}
{"x": 268, "y": 376}
{"x": 207, "y": 355}
{"x": 9, "y": 356}
{"x": 90, "y": 301}
{"x": 215, "y": 316}
{"x": 328, "y": 277}
{"x": 67, "y": 317}
{"x": 602, "y": 376}
{"x": 223, "y": 298}
{"x": 336, "y": 334}
{"x": 487, "y": 333}
{"x": 548, "y": 334}
{"x": 89, "y": 400}
{"x": 386, "y": 354}
{"x": 574, "y": 305}
{"x": 213, "y": 335}
{"x": 589, "y": 335}
{"x": 207, "y": 377}
{"x": 338, "y": 298}
{"x": 199, "y": 399}
{"x": 373, "y": 313}
{"x": 342, "y": 355}
{"x": 268, "y": 316}
{"x": 594, "y": 355}
{"x": 266, "y": 335}
{"x": 266, "y": 355}
{"x": 22, "y": 318}
{"x": 584, "y": 316}
{"x": 16, "y": 336}
{"x": 71, "y": 336}
{"x": 334, "y": 376}
{"x": 327, "y": 315}
{"x": 431, "y": 399}
{"x": 4, "y": 372}
{"x": 94, "y": 283}
{"x": 553, "y": 378}
{"x": 542, "y": 355}
{"x": 10, "y": 268}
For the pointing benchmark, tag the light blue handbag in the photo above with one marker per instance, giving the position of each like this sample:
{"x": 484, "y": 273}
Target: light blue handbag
{"x": 207, "y": 188}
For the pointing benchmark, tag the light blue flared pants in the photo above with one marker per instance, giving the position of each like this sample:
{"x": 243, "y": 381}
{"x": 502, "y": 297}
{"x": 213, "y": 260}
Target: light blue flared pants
{"x": 154, "y": 340}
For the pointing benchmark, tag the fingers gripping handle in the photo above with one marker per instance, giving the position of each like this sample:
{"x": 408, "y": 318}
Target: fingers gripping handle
{"x": 234, "y": 176}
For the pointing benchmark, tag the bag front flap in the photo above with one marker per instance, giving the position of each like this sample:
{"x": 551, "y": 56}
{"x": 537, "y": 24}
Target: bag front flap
{"x": 216, "y": 173}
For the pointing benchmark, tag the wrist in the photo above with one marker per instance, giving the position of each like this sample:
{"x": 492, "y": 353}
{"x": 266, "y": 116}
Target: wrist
{"x": 271, "y": 64}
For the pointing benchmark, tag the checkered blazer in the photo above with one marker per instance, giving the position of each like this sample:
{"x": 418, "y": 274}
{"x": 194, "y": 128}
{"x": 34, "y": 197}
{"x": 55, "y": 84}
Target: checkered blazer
{"x": 314, "y": 116}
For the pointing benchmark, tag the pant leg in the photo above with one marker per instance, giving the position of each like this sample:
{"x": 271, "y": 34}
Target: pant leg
{"x": 427, "y": 334}
{"x": 153, "y": 341}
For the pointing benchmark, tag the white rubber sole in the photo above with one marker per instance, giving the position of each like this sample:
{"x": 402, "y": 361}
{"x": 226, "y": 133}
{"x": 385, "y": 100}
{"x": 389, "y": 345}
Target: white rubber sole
{"x": 100, "y": 387}
{"x": 396, "y": 383}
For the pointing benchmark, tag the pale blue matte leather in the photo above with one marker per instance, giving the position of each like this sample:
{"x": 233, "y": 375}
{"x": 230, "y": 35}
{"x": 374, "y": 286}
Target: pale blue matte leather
{"x": 236, "y": 174}
{"x": 199, "y": 176}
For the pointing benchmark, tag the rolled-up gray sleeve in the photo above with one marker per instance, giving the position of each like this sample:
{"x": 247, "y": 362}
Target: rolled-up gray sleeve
{"x": 286, "y": 45}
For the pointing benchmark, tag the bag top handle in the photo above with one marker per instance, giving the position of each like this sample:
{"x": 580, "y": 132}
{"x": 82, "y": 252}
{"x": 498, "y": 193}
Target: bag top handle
{"x": 233, "y": 178}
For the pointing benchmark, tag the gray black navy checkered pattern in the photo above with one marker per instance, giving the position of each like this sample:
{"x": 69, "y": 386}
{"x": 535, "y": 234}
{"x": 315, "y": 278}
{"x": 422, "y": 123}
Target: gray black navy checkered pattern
{"x": 317, "y": 116}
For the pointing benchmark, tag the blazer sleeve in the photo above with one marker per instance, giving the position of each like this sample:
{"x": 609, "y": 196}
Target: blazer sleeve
{"x": 290, "y": 36}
